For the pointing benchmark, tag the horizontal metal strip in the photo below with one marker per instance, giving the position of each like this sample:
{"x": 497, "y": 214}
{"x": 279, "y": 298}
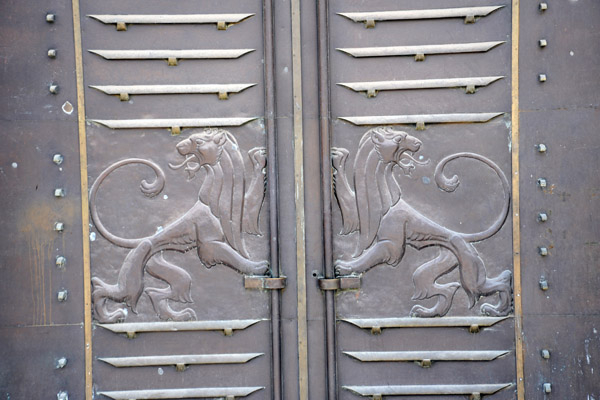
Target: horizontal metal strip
{"x": 166, "y": 54}
{"x": 181, "y": 393}
{"x": 461, "y": 12}
{"x": 190, "y": 359}
{"x": 421, "y": 118}
{"x": 443, "y": 322}
{"x": 408, "y": 390}
{"x": 172, "y": 326}
{"x": 173, "y": 89}
{"x": 419, "y": 83}
{"x": 441, "y": 355}
{"x": 171, "y": 18}
{"x": 423, "y": 49}
{"x": 171, "y": 122}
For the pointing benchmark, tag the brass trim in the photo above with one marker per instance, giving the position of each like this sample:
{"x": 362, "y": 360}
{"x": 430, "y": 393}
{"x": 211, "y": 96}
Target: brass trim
{"x": 516, "y": 219}
{"x": 85, "y": 212}
{"x": 299, "y": 184}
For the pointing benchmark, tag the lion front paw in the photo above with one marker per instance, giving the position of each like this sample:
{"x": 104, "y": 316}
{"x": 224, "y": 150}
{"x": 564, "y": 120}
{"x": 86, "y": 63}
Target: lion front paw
{"x": 343, "y": 268}
{"x": 261, "y": 268}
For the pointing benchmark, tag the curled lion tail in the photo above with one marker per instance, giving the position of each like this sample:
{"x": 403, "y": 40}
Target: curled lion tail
{"x": 149, "y": 189}
{"x": 450, "y": 185}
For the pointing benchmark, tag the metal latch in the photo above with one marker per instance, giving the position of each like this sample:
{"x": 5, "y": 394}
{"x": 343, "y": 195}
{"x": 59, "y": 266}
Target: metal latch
{"x": 264, "y": 282}
{"x": 341, "y": 283}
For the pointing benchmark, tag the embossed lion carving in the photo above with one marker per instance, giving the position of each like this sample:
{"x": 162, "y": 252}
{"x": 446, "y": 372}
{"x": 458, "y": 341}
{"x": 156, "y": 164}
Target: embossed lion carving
{"x": 386, "y": 224}
{"x": 213, "y": 226}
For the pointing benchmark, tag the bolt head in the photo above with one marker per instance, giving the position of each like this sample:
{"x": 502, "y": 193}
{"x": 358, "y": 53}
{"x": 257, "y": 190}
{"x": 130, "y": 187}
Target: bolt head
{"x": 57, "y": 159}
{"x": 61, "y": 261}
{"x": 62, "y": 396}
{"x": 545, "y": 354}
{"x": 61, "y": 362}
{"x": 52, "y": 53}
{"x": 542, "y": 182}
{"x": 547, "y": 388}
{"x": 543, "y": 43}
{"x": 542, "y": 148}
{"x": 543, "y": 6}
{"x": 53, "y": 89}
{"x": 543, "y": 251}
{"x": 542, "y": 77}
{"x": 50, "y": 18}
{"x": 59, "y": 226}
{"x": 59, "y": 192}
{"x": 62, "y": 295}
{"x": 543, "y": 284}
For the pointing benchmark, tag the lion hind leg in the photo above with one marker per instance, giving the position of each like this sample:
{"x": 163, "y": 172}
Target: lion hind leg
{"x": 159, "y": 297}
{"x": 426, "y": 286}
{"x": 100, "y": 295}
{"x": 178, "y": 279}
{"x": 502, "y": 285}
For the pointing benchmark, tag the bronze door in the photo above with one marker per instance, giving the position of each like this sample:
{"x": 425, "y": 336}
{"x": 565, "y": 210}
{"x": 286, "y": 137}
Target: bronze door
{"x": 299, "y": 200}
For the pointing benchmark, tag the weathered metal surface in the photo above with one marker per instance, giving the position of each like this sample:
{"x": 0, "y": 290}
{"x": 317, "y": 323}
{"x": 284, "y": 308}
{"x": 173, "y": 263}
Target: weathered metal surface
{"x": 422, "y": 118}
{"x": 223, "y": 21}
{"x": 221, "y": 89}
{"x": 170, "y": 53}
{"x": 452, "y": 355}
{"x": 447, "y": 322}
{"x": 171, "y": 122}
{"x": 408, "y": 390}
{"x": 138, "y": 327}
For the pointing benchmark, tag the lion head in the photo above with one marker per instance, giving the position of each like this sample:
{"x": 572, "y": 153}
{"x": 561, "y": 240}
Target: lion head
{"x": 380, "y": 150}
{"x": 216, "y": 151}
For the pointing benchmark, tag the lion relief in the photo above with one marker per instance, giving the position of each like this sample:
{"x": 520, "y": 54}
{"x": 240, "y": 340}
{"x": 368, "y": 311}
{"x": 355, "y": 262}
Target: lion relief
{"x": 386, "y": 224}
{"x": 213, "y": 226}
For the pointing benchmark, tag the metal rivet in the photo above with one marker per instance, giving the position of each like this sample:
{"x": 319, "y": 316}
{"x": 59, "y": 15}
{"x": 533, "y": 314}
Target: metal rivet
{"x": 543, "y": 6}
{"x": 545, "y": 353}
{"x": 53, "y": 88}
{"x": 543, "y": 284}
{"x": 547, "y": 388}
{"x": 221, "y": 25}
{"x": 542, "y": 182}
{"x": 542, "y": 217}
{"x": 541, "y": 147}
{"x": 121, "y": 26}
{"x": 419, "y": 57}
{"x": 223, "y": 96}
{"x": 180, "y": 367}
{"x": 61, "y": 261}
{"x": 370, "y": 23}
{"x": 543, "y": 43}
{"x": 474, "y": 328}
{"x": 475, "y": 396}
{"x": 52, "y": 53}
{"x": 228, "y": 331}
{"x": 542, "y": 77}
{"x": 470, "y": 19}
{"x": 59, "y": 192}
{"x": 130, "y": 335}
{"x": 543, "y": 251}
{"x": 172, "y": 61}
{"x": 62, "y": 396}
{"x": 57, "y": 159}
{"x": 425, "y": 363}
{"x": 175, "y": 130}
{"x": 59, "y": 226}
{"x": 421, "y": 126}
{"x": 61, "y": 362}
{"x": 376, "y": 330}
{"x": 470, "y": 89}
{"x": 124, "y": 96}
{"x": 371, "y": 93}
{"x": 50, "y": 18}
{"x": 62, "y": 295}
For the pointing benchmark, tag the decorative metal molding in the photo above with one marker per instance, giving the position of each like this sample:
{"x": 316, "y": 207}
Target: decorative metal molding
{"x": 410, "y": 390}
{"x": 175, "y": 124}
{"x": 172, "y": 56}
{"x": 227, "y": 326}
{"x": 453, "y": 355}
{"x": 124, "y": 91}
{"x": 420, "y": 51}
{"x": 469, "y": 13}
{"x": 371, "y": 88}
{"x": 444, "y": 322}
{"x": 223, "y": 21}
{"x": 151, "y": 394}
{"x": 421, "y": 119}
{"x": 180, "y": 360}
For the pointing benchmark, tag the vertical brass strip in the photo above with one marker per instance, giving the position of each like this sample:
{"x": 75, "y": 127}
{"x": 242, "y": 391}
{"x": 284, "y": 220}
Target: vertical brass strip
{"x": 299, "y": 183}
{"x": 516, "y": 220}
{"x": 85, "y": 213}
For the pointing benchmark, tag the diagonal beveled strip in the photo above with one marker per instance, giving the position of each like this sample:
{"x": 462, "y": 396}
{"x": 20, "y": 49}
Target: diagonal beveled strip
{"x": 204, "y": 54}
{"x": 441, "y": 355}
{"x": 171, "y": 18}
{"x": 172, "y": 326}
{"x": 188, "y": 393}
{"x": 460, "y": 12}
{"x": 174, "y": 89}
{"x": 171, "y": 122}
{"x": 409, "y": 322}
{"x": 390, "y": 51}
{"x": 407, "y": 390}
{"x": 421, "y": 118}
{"x": 420, "y": 83}
{"x": 186, "y": 359}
